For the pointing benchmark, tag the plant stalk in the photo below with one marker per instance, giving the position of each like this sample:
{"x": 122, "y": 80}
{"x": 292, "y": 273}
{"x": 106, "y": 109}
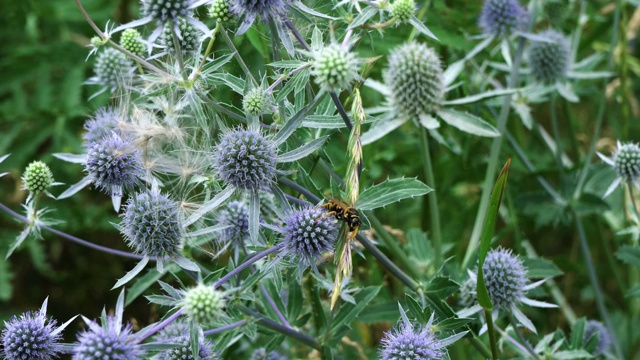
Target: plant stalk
{"x": 434, "y": 211}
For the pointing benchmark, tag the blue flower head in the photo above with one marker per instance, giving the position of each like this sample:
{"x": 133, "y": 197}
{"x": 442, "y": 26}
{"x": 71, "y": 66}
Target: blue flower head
{"x": 251, "y": 9}
{"x": 31, "y": 335}
{"x": 113, "y": 164}
{"x": 151, "y": 225}
{"x": 178, "y": 333}
{"x": 505, "y": 277}
{"x": 165, "y": 11}
{"x": 549, "y": 60}
{"x": 236, "y": 217}
{"x": 245, "y": 159}
{"x": 262, "y": 354}
{"x": 110, "y": 341}
{"x": 594, "y": 327}
{"x": 308, "y": 233}
{"x": 502, "y": 17}
{"x": 411, "y": 342}
{"x": 100, "y": 124}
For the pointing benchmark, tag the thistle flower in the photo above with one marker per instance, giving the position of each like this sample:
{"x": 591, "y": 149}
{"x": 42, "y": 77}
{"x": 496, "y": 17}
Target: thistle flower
{"x": 151, "y": 226}
{"x": 549, "y": 61}
{"x": 203, "y": 304}
{"x": 255, "y": 102}
{"x": 111, "y": 68}
{"x": 414, "y": 78}
{"x": 251, "y": 9}
{"x": 503, "y": 17}
{"x": 236, "y": 217}
{"x": 189, "y": 37}
{"x": 132, "y": 41}
{"x": 403, "y": 10}
{"x": 335, "y": 67}
{"x": 468, "y": 295}
{"x": 37, "y": 177}
{"x": 626, "y": 162}
{"x": 262, "y": 354}
{"x": 179, "y": 333}
{"x": 109, "y": 341}
{"x": 308, "y": 233}
{"x": 166, "y": 11}
{"x": 407, "y": 341}
{"x": 32, "y": 335}
{"x": 245, "y": 159}
{"x": 506, "y": 281}
{"x": 594, "y": 327}
{"x": 113, "y": 164}
{"x": 219, "y": 11}
{"x": 100, "y": 124}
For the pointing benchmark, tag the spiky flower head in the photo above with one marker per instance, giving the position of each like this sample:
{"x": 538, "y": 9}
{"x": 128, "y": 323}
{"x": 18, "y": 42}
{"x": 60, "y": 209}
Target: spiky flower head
{"x": 246, "y": 159}
{"x": 255, "y": 102}
{"x": 236, "y": 217}
{"x": 308, "y": 233}
{"x": 113, "y": 164}
{"x": 403, "y": 10}
{"x": 594, "y": 327}
{"x": 505, "y": 277}
{"x": 251, "y": 9}
{"x": 189, "y": 37}
{"x": 549, "y": 60}
{"x": 555, "y": 10}
{"x": 32, "y": 335}
{"x": 111, "y": 341}
{"x": 414, "y": 78}
{"x": 468, "y": 296}
{"x": 627, "y": 161}
{"x": 112, "y": 67}
{"x": 37, "y": 177}
{"x": 151, "y": 225}
{"x": 503, "y": 17}
{"x": 203, "y": 304}
{"x": 100, "y": 124}
{"x": 179, "y": 333}
{"x": 97, "y": 41}
{"x": 219, "y": 11}
{"x": 409, "y": 342}
{"x": 262, "y": 354}
{"x": 164, "y": 11}
{"x": 335, "y": 68}
{"x": 132, "y": 41}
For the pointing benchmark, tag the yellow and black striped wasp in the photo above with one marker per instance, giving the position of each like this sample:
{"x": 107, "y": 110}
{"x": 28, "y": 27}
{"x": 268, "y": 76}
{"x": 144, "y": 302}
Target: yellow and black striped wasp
{"x": 345, "y": 213}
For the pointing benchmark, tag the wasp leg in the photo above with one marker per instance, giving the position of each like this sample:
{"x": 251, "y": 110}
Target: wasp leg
{"x": 354, "y": 233}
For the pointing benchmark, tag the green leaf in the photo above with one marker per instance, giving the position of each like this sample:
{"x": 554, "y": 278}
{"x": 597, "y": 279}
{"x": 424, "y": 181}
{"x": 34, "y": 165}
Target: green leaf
{"x": 390, "y": 191}
{"x": 577, "y": 333}
{"x": 487, "y": 233}
{"x": 421, "y": 27}
{"x": 6, "y": 289}
{"x": 481, "y": 96}
{"x": 541, "y": 268}
{"x": 634, "y": 292}
{"x": 348, "y": 312}
{"x": 629, "y": 255}
{"x": 468, "y": 123}
{"x": 387, "y": 311}
{"x": 572, "y": 354}
{"x": 363, "y": 17}
{"x": 288, "y": 64}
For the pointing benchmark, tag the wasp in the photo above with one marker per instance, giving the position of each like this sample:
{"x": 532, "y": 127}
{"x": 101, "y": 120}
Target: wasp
{"x": 344, "y": 212}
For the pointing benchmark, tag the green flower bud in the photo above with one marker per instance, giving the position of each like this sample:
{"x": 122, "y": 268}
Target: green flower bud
{"x": 37, "y": 177}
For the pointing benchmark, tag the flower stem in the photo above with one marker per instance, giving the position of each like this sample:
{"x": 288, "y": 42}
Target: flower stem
{"x": 76, "y": 239}
{"x": 521, "y": 338}
{"x": 247, "y": 263}
{"x": 161, "y": 325}
{"x": 597, "y": 291}
{"x": 207, "y": 51}
{"x": 556, "y": 134}
{"x": 487, "y": 185}
{"x": 633, "y": 199}
{"x": 176, "y": 45}
{"x": 492, "y": 335}
{"x": 434, "y": 211}
{"x": 294, "y": 334}
{"x": 237, "y": 56}
{"x": 225, "y": 328}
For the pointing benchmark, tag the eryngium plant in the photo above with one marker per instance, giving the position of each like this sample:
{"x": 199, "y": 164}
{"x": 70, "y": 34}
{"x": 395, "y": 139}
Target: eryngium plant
{"x": 503, "y": 17}
{"x": 549, "y": 60}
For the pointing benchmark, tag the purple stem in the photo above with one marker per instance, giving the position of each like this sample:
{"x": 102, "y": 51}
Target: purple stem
{"x": 275, "y": 308}
{"x": 225, "y": 328}
{"x": 76, "y": 239}
{"x": 247, "y": 263}
{"x": 161, "y": 325}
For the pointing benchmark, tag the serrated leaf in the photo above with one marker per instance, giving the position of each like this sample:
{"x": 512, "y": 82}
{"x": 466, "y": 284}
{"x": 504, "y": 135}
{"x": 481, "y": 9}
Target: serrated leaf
{"x": 390, "y": 191}
{"x": 348, "y": 312}
{"x": 468, "y": 123}
{"x": 629, "y": 255}
{"x": 302, "y": 151}
{"x": 363, "y": 17}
